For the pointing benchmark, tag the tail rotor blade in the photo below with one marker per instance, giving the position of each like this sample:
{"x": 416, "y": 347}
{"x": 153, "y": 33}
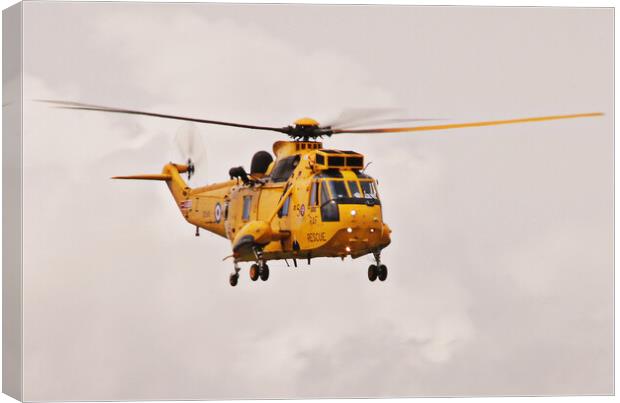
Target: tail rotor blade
{"x": 191, "y": 147}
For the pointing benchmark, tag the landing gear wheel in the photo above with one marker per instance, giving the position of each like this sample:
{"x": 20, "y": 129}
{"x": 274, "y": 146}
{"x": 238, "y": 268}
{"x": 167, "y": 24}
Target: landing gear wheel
{"x": 382, "y": 272}
{"x": 254, "y": 272}
{"x": 233, "y": 279}
{"x": 264, "y": 272}
{"x": 372, "y": 272}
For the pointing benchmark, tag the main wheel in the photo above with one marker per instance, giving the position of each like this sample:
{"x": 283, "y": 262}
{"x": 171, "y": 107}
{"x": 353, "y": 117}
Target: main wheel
{"x": 233, "y": 279}
{"x": 264, "y": 273}
{"x": 372, "y": 272}
{"x": 254, "y": 272}
{"x": 382, "y": 272}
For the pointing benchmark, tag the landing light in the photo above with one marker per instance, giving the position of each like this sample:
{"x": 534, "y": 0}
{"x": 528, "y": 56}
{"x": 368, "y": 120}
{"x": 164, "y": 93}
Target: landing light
{"x": 353, "y": 212}
{"x": 348, "y": 249}
{"x": 349, "y": 230}
{"x": 372, "y": 230}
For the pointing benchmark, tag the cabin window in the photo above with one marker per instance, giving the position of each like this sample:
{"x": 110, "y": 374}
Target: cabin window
{"x": 314, "y": 194}
{"x": 247, "y": 203}
{"x": 320, "y": 159}
{"x": 370, "y": 192}
{"x": 284, "y": 209}
{"x": 354, "y": 189}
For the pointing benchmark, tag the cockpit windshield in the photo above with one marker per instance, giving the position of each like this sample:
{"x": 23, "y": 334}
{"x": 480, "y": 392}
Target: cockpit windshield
{"x": 338, "y": 189}
{"x": 361, "y": 191}
{"x": 368, "y": 187}
{"x": 354, "y": 189}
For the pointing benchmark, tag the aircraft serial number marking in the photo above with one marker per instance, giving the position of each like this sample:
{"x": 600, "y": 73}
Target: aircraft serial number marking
{"x": 316, "y": 237}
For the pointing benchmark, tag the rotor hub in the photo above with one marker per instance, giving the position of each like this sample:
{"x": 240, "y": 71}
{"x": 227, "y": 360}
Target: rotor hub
{"x": 307, "y": 129}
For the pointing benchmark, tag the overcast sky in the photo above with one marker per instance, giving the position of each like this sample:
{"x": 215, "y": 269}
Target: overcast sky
{"x": 501, "y": 258}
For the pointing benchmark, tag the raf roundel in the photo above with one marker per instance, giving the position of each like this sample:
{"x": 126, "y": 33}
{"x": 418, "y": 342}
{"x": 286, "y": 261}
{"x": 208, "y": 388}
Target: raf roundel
{"x": 218, "y": 213}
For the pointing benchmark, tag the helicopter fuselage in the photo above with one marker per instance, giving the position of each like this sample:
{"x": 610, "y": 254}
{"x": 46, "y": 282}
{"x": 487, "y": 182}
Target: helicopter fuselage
{"x": 309, "y": 203}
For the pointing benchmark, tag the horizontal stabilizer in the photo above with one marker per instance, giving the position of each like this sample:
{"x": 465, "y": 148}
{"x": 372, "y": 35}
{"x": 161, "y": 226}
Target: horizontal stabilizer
{"x": 148, "y": 177}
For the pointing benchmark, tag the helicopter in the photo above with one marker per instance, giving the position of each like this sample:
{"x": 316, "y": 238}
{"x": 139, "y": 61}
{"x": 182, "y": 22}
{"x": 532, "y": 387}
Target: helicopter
{"x": 309, "y": 202}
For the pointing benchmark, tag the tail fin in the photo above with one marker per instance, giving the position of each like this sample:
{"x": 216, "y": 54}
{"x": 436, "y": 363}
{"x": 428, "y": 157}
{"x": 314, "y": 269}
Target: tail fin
{"x": 171, "y": 175}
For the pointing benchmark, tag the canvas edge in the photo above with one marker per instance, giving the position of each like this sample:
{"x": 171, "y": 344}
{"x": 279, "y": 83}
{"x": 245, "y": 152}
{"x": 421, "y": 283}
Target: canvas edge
{"x": 12, "y": 242}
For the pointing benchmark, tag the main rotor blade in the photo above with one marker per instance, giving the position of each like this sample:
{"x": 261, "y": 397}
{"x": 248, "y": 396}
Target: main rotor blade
{"x": 382, "y": 121}
{"x": 464, "y": 125}
{"x": 354, "y": 116}
{"x": 99, "y": 108}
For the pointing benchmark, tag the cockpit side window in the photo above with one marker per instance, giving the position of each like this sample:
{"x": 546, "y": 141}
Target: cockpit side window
{"x": 314, "y": 194}
{"x": 329, "y": 208}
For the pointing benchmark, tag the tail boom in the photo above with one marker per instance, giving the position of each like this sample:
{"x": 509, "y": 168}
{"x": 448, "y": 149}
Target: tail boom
{"x": 171, "y": 174}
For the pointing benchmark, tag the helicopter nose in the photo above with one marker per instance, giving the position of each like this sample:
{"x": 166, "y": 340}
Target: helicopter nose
{"x": 362, "y": 221}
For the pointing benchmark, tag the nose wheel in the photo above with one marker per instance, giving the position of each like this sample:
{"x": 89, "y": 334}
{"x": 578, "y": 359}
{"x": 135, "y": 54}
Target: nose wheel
{"x": 264, "y": 272}
{"x": 377, "y": 271}
{"x": 382, "y": 272}
{"x": 372, "y": 272}
{"x": 260, "y": 270}
{"x": 254, "y": 272}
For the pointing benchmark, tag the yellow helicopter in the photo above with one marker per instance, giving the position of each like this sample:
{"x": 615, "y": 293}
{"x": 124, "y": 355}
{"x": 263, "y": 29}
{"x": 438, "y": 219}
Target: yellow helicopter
{"x": 308, "y": 202}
